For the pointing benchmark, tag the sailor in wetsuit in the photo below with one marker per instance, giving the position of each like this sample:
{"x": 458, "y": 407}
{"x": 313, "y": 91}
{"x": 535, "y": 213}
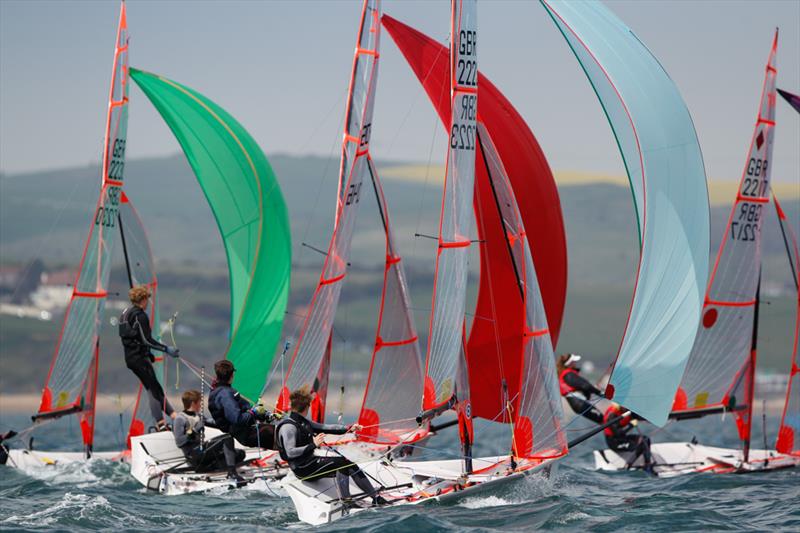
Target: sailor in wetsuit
{"x": 575, "y": 388}
{"x": 137, "y": 340}
{"x": 249, "y": 424}
{"x": 204, "y": 456}
{"x": 619, "y": 439}
{"x": 298, "y": 437}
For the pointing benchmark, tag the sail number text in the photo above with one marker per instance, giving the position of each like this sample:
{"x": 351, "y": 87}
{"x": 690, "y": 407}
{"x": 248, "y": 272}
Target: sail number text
{"x": 117, "y": 163}
{"x": 467, "y": 67}
{"x": 353, "y": 194}
{"x": 747, "y": 224}
{"x": 462, "y": 136}
{"x": 106, "y": 214}
{"x": 756, "y": 185}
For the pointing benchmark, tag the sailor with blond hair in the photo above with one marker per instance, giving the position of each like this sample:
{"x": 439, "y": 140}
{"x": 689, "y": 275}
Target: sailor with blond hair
{"x": 137, "y": 340}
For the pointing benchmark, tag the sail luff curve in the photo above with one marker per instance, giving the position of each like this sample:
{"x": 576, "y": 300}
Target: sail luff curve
{"x": 659, "y": 147}
{"x": 251, "y": 214}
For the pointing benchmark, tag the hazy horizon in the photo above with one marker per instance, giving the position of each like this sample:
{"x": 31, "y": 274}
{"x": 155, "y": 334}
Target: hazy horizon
{"x": 282, "y": 69}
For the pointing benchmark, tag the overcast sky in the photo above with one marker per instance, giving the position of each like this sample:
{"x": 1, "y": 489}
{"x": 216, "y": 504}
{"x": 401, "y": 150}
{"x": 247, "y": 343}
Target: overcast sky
{"x": 282, "y": 68}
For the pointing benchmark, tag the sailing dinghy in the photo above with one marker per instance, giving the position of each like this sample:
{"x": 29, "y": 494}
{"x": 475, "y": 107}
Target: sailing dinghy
{"x": 71, "y": 384}
{"x": 247, "y": 203}
{"x": 719, "y": 377}
{"x": 447, "y": 386}
{"x": 395, "y": 377}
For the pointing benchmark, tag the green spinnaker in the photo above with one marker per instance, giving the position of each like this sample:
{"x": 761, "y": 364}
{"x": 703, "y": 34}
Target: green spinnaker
{"x": 247, "y": 203}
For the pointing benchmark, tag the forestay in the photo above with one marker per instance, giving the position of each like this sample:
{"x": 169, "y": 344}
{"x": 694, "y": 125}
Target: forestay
{"x": 789, "y": 432}
{"x": 537, "y": 408}
{"x": 445, "y": 371}
{"x": 72, "y": 380}
{"x": 317, "y": 327}
{"x": 251, "y": 214}
{"x": 662, "y": 158}
{"x": 718, "y": 369}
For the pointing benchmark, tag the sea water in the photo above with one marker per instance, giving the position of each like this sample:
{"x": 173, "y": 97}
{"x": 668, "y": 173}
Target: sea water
{"x": 103, "y": 496}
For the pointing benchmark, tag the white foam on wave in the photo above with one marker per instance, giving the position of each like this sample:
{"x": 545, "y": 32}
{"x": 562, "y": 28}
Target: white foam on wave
{"x": 79, "y": 472}
{"x": 72, "y": 505}
{"x": 572, "y": 516}
{"x": 487, "y": 501}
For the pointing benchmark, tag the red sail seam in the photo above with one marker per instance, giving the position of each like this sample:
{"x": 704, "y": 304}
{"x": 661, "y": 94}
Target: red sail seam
{"x": 726, "y": 303}
{"x": 90, "y": 294}
{"x": 324, "y": 281}
{"x": 455, "y": 244}
{"x": 759, "y": 200}
{"x": 379, "y": 342}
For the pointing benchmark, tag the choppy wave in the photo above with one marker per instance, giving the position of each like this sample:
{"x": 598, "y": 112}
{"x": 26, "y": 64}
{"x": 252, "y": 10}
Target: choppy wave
{"x": 101, "y": 495}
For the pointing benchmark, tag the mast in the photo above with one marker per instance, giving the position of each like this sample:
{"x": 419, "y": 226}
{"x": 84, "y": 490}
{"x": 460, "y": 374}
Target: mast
{"x": 125, "y": 250}
{"x": 750, "y": 383}
{"x": 446, "y": 377}
{"x": 316, "y": 330}
{"x": 722, "y": 346}
{"x": 71, "y": 384}
{"x": 491, "y": 368}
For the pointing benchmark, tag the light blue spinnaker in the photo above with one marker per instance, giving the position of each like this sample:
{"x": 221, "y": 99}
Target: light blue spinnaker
{"x": 662, "y": 157}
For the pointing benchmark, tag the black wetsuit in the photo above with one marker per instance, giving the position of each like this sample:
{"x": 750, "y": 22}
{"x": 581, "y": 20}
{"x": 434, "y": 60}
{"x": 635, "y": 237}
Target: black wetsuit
{"x": 232, "y": 415}
{"x": 619, "y": 439}
{"x": 204, "y": 456}
{"x": 137, "y": 340}
{"x": 577, "y": 391}
{"x": 296, "y": 446}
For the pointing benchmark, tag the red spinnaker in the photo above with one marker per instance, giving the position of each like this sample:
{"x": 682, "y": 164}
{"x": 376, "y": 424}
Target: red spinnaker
{"x": 539, "y": 205}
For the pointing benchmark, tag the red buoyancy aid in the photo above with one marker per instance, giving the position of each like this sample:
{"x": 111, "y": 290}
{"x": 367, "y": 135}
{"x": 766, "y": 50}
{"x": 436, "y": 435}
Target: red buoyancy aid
{"x": 563, "y": 385}
{"x": 611, "y": 412}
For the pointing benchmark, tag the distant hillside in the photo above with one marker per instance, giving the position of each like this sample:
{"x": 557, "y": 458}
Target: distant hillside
{"x": 45, "y": 215}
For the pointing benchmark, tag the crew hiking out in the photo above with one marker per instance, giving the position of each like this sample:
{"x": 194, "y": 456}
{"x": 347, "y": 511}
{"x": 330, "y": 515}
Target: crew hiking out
{"x": 619, "y": 439}
{"x": 298, "y": 437}
{"x": 137, "y": 340}
{"x": 576, "y": 389}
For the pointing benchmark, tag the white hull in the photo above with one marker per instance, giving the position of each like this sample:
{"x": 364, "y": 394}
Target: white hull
{"x": 158, "y": 464}
{"x": 32, "y": 459}
{"x": 406, "y": 483}
{"x": 679, "y": 458}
